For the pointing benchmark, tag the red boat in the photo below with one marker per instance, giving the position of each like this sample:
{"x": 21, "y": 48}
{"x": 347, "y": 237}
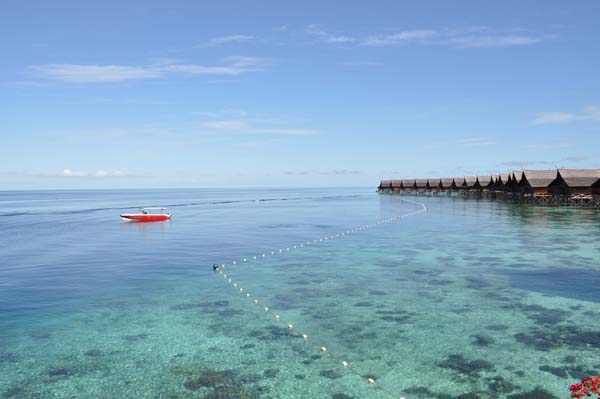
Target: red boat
{"x": 146, "y": 215}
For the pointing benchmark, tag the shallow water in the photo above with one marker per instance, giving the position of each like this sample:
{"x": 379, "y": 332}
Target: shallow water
{"x": 471, "y": 297}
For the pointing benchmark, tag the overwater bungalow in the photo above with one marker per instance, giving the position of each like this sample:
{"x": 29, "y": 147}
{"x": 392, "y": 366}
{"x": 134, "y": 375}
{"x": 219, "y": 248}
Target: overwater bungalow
{"x": 422, "y": 185}
{"x": 576, "y": 182}
{"x": 515, "y": 178}
{"x": 385, "y": 185}
{"x": 564, "y": 187}
{"x": 460, "y": 183}
{"x": 502, "y": 180}
{"x": 536, "y": 182}
{"x": 447, "y": 184}
{"x": 408, "y": 184}
{"x": 486, "y": 182}
{"x": 471, "y": 183}
{"x": 396, "y": 186}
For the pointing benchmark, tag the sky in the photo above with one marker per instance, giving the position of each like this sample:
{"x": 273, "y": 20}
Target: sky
{"x": 143, "y": 94}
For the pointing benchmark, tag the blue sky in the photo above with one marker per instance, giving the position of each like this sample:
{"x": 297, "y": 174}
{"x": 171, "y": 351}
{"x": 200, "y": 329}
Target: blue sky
{"x": 118, "y": 94}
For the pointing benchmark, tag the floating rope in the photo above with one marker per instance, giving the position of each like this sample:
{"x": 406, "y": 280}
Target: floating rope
{"x": 290, "y": 326}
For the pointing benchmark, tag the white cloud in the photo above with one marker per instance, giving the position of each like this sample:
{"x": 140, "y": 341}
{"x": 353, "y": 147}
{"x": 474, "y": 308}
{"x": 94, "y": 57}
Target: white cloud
{"x": 475, "y": 142}
{"x": 398, "y": 38}
{"x": 474, "y": 37}
{"x": 242, "y": 127}
{"x": 236, "y": 38}
{"x": 591, "y": 113}
{"x": 74, "y": 73}
{"x": 77, "y": 73}
{"x": 548, "y": 146}
{"x": 73, "y": 173}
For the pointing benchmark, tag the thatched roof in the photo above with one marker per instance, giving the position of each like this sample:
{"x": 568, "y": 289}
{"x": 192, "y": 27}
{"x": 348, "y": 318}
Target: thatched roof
{"x": 459, "y": 181}
{"x": 517, "y": 175}
{"x": 539, "y": 178}
{"x": 435, "y": 182}
{"x": 485, "y": 180}
{"x": 396, "y": 183}
{"x": 471, "y": 180}
{"x": 385, "y": 183}
{"x": 421, "y": 183}
{"x": 446, "y": 181}
{"x": 580, "y": 177}
{"x": 408, "y": 183}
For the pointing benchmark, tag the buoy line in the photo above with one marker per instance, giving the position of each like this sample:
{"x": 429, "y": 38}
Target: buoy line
{"x": 294, "y": 330}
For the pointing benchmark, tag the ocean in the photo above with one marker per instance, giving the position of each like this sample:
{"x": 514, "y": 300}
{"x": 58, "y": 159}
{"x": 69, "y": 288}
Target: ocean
{"x": 471, "y": 299}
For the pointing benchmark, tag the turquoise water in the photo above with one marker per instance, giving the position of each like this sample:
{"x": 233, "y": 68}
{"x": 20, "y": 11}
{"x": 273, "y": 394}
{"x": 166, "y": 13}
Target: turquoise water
{"x": 468, "y": 300}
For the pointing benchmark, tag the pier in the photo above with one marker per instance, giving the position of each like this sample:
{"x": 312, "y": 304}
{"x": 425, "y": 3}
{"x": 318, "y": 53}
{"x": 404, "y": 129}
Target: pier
{"x": 557, "y": 187}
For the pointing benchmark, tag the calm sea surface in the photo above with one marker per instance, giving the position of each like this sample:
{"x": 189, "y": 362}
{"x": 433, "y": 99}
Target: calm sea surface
{"x": 468, "y": 300}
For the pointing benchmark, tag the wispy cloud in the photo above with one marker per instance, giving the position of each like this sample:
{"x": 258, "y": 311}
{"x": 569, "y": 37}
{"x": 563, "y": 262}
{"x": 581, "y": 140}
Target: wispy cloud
{"x": 236, "y": 38}
{"x": 333, "y": 172}
{"x": 466, "y": 142}
{"x": 473, "y": 37}
{"x": 78, "y": 73}
{"x": 340, "y": 172}
{"x": 524, "y": 163}
{"x": 361, "y": 63}
{"x": 243, "y": 127}
{"x": 548, "y": 146}
{"x": 259, "y": 143}
{"x": 70, "y": 173}
{"x": 591, "y": 113}
{"x": 563, "y": 162}
{"x": 475, "y": 142}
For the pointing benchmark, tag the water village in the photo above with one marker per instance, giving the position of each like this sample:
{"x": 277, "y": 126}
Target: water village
{"x": 558, "y": 187}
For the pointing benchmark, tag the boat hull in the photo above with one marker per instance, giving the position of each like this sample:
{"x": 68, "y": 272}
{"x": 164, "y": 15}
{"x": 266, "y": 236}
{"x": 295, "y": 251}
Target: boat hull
{"x": 138, "y": 217}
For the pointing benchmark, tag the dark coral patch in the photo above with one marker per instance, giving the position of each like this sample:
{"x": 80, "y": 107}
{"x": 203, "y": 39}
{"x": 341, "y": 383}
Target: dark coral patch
{"x": 331, "y": 374}
{"x": 211, "y": 379}
{"x": 478, "y": 395}
{"x": 93, "y": 353}
{"x": 134, "y": 338}
{"x": 231, "y": 392}
{"x": 341, "y": 396}
{"x": 537, "y": 393}
{"x": 482, "y": 340}
{"x": 470, "y": 368}
{"x": 500, "y": 385}
{"x": 270, "y": 373}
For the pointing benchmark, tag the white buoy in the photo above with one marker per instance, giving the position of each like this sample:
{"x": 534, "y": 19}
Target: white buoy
{"x": 230, "y": 280}
{"x": 254, "y": 257}
{"x": 256, "y": 301}
{"x": 290, "y": 326}
{"x": 264, "y": 255}
{"x": 234, "y": 262}
{"x": 235, "y": 284}
{"x": 345, "y": 363}
{"x": 245, "y": 259}
{"x": 280, "y": 251}
{"x": 371, "y": 381}
{"x": 266, "y": 308}
{"x": 323, "y": 349}
{"x": 276, "y": 317}
{"x": 287, "y": 249}
{"x": 241, "y": 290}
{"x": 248, "y": 295}
{"x": 305, "y": 337}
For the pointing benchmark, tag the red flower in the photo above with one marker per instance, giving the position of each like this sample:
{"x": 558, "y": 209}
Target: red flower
{"x": 587, "y": 386}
